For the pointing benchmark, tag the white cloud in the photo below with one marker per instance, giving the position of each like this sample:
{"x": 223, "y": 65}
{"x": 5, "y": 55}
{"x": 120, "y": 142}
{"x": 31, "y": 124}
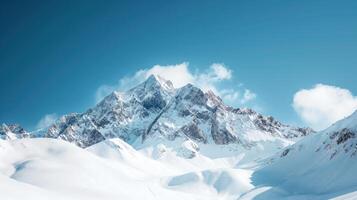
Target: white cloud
{"x": 47, "y": 121}
{"x": 221, "y": 71}
{"x": 180, "y": 75}
{"x": 231, "y": 96}
{"x": 212, "y": 77}
{"x": 248, "y": 96}
{"x": 323, "y": 105}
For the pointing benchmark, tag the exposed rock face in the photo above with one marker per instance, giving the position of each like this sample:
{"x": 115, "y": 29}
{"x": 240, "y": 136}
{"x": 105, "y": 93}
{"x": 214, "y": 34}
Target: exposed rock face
{"x": 344, "y": 135}
{"x": 192, "y": 131}
{"x": 155, "y": 109}
{"x": 343, "y": 140}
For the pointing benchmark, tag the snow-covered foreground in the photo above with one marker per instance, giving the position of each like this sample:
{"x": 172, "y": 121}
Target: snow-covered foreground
{"x": 54, "y": 169}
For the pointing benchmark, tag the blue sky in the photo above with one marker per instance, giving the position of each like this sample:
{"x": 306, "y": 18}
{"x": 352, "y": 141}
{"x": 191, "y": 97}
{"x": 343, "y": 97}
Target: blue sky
{"x": 55, "y": 55}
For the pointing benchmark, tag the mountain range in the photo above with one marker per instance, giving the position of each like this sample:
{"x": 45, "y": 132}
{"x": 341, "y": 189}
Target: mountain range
{"x": 155, "y": 110}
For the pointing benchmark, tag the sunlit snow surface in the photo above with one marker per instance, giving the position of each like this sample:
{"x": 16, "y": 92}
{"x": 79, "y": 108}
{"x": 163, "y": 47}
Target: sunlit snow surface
{"x": 180, "y": 143}
{"x": 54, "y": 169}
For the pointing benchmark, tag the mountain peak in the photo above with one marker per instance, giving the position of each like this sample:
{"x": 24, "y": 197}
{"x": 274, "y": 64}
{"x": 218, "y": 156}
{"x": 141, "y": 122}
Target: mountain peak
{"x": 156, "y": 80}
{"x": 112, "y": 99}
{"x": 192, "y": 94}
{"x": 152, "y": 79}
{"x": 213, "y": 99}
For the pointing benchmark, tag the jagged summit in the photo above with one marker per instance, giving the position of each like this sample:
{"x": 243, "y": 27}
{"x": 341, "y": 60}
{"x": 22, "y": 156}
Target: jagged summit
{"x": 166, "y": 84}
{"x": 214, "y": 100}
{"x": 155, "y": 82}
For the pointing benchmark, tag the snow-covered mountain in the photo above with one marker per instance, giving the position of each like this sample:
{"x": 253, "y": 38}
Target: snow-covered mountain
{"x": 182, "y": 144}
{"x": 155, "y": 111}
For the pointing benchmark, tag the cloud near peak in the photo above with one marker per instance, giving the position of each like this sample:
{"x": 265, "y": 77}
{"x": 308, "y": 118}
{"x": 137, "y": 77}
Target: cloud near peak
{"x": 323, "y": 105}
{"x": 47, "y": 121}
{"x": 215, "y": 78}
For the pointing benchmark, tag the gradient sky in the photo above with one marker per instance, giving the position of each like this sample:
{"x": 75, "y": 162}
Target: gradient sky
{"x": 55, "y": 54}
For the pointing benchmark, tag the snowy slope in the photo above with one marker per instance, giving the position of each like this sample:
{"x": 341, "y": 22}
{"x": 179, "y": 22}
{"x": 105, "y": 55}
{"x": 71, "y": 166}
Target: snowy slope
{"x": 321, "y": 165}
{"x": 54, "y": 169}
{"x": 44, "y": 168}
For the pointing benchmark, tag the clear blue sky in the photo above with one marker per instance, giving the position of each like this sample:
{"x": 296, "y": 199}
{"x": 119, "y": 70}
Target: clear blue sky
{"x": 55, "y": 54}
